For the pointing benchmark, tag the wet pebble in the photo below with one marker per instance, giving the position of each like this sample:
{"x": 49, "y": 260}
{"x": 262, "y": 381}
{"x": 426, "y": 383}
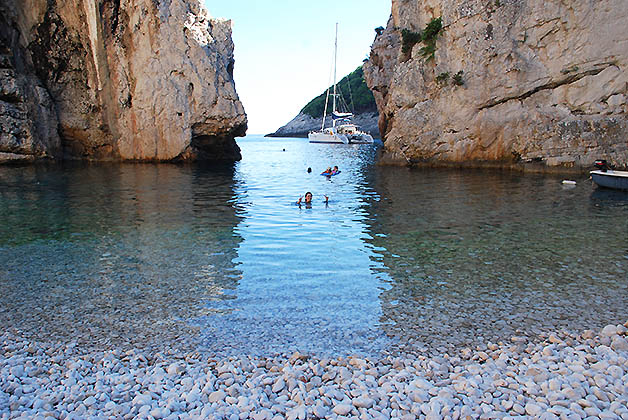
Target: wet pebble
{"x": 558, "y": 376}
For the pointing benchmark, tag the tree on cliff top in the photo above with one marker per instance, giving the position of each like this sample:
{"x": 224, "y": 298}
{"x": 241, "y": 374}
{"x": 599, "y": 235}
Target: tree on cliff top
{"x": 353, "y": 89}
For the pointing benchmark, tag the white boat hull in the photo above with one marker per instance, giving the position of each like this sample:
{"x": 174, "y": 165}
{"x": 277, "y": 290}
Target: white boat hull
{"x": 318, "y": 137}
{"x": 357, "y": 138}
{"x": 361, "y": 138}
{"x": 611, "y": 179}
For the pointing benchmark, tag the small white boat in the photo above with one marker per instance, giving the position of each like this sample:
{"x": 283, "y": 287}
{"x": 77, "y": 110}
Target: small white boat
{"x": 345, "y": 132}
{"x": 608, "y": 178}
{"x": 611, "y": 179}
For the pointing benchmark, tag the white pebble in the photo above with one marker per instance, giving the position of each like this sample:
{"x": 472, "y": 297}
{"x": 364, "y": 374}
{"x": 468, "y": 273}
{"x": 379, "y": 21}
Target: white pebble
{"x": 342, "y": 409}
{"x": 363, "y": 402}
{"x": 278, "y": 385}
{"x": 609, "y": 331}
{"x": 175, "y": 369}
{"x": 619, "y": 343}
{"x": 17, "y": 371}
{"x": 217, "y": 396}
{"x": 533, "y": 409}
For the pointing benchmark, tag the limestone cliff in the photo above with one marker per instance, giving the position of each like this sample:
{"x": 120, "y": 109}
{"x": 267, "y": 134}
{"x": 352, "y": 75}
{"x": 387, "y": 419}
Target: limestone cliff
{"x": 510, "y": 82}
{"x": 146, "y": 80}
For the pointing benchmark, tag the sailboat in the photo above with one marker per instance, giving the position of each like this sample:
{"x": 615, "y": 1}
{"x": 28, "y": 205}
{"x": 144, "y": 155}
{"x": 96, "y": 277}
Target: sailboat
{"x": 342, "y": 129}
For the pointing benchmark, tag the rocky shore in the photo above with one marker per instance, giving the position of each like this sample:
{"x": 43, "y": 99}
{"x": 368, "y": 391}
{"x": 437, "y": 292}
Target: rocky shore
{"x": 560, "y": 375}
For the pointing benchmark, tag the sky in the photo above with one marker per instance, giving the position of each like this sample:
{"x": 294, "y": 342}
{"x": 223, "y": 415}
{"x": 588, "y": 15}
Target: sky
{"x": 284, "y": 50}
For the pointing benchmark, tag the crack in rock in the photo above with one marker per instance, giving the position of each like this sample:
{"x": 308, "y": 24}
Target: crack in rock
{"x": 571, "y": 78}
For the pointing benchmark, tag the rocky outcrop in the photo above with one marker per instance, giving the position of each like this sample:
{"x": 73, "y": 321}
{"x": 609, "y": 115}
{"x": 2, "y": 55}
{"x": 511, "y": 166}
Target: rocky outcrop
{"x": 538, "y": 84}
{"x": 302, "y": 124}
{"x": 28, "y": 120}
{"x": 139, "y": 80}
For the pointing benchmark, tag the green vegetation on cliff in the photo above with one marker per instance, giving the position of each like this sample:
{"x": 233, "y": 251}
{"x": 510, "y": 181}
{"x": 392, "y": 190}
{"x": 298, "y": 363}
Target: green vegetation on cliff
{"x": 354, "y": 91}
{"x": 428, "y": 36}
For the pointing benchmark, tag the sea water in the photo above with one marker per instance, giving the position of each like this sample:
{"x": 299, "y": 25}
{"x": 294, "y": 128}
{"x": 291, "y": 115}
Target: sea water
{"x": 221, "y": 259}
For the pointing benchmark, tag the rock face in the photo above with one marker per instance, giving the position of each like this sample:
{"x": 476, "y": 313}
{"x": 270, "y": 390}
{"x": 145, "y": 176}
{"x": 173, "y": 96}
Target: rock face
{"x": 108, "y": 80}
{"x": 541, "y": 83}
{"x": 28, "y": 119}
{"x": 302, "y": 124}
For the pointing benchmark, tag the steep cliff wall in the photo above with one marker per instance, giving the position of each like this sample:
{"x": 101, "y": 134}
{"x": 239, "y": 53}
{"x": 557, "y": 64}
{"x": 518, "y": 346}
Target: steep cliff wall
{"x": 540, "y": 82}
{"x": 28, "y": 119}
{"x": 109, "y": 80}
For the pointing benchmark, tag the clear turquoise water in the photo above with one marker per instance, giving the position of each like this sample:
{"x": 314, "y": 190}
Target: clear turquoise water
{"x": 222, "y": 260}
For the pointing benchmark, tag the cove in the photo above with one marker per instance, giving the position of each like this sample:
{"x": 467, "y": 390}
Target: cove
{"x": 222, "y": 260}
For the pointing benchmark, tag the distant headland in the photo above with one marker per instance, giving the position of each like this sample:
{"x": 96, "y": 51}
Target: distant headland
{"x": 357, "y": 97}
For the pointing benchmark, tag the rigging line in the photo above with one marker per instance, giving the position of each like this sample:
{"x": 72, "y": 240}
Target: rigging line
{"x": 343, "y": 102}
{"x": 331, "y": 69}
{"x": 335, "y": 58}
{"x": 350, "y": 95}
{"x": 325, "y": 110}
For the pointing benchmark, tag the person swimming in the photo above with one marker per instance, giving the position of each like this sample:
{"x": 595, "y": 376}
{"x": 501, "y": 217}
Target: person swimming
{"x": 308, "y": 199}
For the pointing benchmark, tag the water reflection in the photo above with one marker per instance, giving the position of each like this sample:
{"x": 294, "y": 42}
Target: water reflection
{"x": 120, "y": 255}
{"x": 306, "y": 280}
{"x": 223, "y": 260}
{"x": 604, "y": 197}
{"x": 476, "y": 256}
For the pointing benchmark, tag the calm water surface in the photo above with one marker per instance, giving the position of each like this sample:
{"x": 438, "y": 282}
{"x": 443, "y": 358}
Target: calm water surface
{"x": 222, "y": 260}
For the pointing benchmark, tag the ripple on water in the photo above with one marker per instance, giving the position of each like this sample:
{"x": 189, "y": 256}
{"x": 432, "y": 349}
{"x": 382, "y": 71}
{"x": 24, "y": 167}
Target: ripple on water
{"x": 223, "y": 259}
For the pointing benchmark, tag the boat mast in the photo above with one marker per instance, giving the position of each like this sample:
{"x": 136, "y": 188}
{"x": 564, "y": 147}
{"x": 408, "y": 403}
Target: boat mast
{"x": 325, "y": 110}
{"x": 335, "y": 58}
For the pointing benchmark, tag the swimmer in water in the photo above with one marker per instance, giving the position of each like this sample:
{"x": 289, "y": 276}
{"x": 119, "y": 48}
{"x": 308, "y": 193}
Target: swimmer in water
{"x": 308, "y": 199}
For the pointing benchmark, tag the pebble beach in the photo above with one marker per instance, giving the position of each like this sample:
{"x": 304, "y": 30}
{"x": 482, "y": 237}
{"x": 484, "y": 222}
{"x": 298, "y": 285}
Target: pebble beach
{"x": 562, "y": 375}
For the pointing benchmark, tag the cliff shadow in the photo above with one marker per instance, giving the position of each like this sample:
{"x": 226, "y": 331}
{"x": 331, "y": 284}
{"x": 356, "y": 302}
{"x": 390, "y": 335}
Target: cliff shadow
{"x": 120, "y": 255}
